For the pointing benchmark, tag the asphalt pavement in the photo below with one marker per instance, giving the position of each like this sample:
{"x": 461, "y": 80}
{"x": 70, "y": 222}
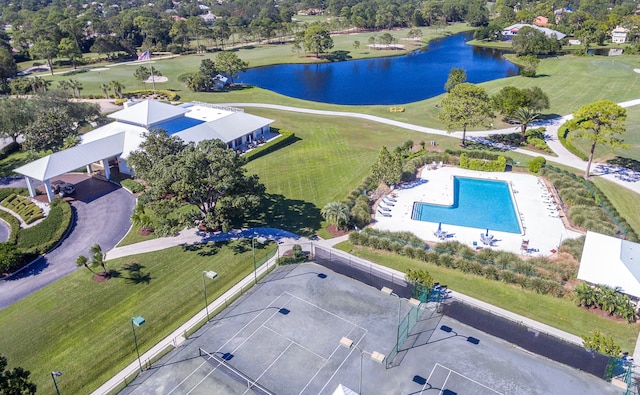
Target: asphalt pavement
{"x": 103, "y": 220}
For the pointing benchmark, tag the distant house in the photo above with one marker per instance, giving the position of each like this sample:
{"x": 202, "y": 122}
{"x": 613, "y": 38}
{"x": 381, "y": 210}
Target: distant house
{"x": 220, "y": 81}
{"x": 619, "y": 35}
{"x": 114, "y": 142}
{"x": 510, "y": 31}
{"x": 611, "y": 261}
{"x": 311, "y": 11}
{"x": 208, "y": 17}
{"x": 541, "y": 21}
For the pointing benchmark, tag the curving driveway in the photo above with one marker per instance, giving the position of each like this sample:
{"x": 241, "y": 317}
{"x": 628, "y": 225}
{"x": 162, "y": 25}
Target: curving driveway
{"x": 103, "y": 220}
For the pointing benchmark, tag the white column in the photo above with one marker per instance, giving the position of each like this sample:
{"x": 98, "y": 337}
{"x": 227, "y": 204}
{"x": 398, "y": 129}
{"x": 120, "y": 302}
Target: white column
{"x": 89, "y": 169}
{"x": 105, "y": 164}
{"x": 30, "y": 186}
{"x": 48, "y": 190}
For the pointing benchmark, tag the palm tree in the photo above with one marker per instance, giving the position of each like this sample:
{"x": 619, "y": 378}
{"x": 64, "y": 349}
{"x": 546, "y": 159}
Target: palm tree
{"x": 525, "y": 116}
{"x": 141, "y": 219}
{"x": 63, "y": 85}
{"x": 83, "y": 261}
{"x": 76, "y": 86}
{"x": 105, "y": 90}
{"x": 336, "y": 213}
{"x": 97, "y": 258}
{"x": 117, "y": 88}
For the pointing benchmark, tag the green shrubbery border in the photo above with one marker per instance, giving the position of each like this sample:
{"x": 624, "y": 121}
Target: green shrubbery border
{"x": 14, "y": 225}
{"x": 286, "y": 137}
{"x": 132, "y": 185}
{"x": 42, "y": 237}
{"x": 563, "y": 132}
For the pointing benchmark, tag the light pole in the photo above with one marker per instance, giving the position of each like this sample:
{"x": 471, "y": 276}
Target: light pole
{"x": 375, "y": 356}
{"x": 389, "y": 291}
{"x": 253, "y": 250}
{"x": 137, "y": 321}
{"x": 53, "y": 376}
{"x": 209, "y": 274}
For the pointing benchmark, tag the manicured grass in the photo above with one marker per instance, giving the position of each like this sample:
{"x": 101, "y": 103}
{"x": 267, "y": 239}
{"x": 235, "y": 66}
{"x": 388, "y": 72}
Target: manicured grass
{"x": 82, "y": 328}
{"x": 559, "y": 313}
{"x": 623, "y": 199}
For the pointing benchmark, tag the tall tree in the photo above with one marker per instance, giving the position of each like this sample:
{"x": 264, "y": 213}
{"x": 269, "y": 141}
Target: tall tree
{"x": 317, "y": 39}
{"x": 142, "y": 73}
{"x": 117, "y": 87}
{"x": 15, "y": 381}
{"x": 230, "y": 63}
{"x": 15, "y": 115}
{"x": 68, "y": 48}
{"x": 8, "y": 68}
{"x": 456, "y": 77}
{"x": 388, "y": 167}
{"x": 45, "y": 49}
{"x": 602, "y": 123}
{"x": 208, "y": 175}
{"x": 48, "y": 130}
{"x": 465, "y": 105}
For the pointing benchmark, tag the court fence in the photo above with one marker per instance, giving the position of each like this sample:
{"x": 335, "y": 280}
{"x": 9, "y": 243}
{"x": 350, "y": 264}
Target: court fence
{"x": 535, "y": 341}
{"x": 223, "y": 366}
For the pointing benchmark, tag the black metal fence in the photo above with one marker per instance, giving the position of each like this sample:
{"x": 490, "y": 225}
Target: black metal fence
{"x": 532, "y": 340}
{"x": 368, "y": 274}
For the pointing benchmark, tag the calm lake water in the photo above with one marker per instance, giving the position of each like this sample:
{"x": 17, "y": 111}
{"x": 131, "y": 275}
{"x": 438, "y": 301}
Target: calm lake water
{"x": 396, "y": 80}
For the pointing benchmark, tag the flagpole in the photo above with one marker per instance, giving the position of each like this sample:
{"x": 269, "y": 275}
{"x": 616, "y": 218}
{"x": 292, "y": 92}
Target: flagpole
{"x": 153, "y": 78}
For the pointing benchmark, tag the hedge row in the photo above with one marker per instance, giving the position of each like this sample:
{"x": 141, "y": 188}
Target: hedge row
{"x": 9, "y": 149}
{"x": 589, "y": 207}
{"x": 286, "y": 137}
{"x": 499, "y": 164}
{"x": 14, "y": 225}
{"x": 504, "y": 267}
{"x": 162, "y": 93}
{"x": 25, "y": 208}
{"x": 6, "y": 192}
{"x": 42, "y": 237}
{"x": 412, "y": 165}
{"x": 478, "y": 155}
{"x": 563, "y": 132}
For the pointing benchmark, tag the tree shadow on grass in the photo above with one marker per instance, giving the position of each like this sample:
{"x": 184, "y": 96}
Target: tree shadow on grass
{"x": 297, "y": 216}
{"x": 135, "y": 275}
{"x": 625, "y": 162}
{"x": 206, "y": 249}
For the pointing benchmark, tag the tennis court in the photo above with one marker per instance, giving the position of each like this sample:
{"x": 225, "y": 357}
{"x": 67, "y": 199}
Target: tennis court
{"x": 284, "y": 337}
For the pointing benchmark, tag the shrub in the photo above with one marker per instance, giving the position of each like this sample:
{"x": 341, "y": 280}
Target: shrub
{"x": 536, "y": 164}
{"x": 9, "y": 149}
{"x": 133, "y": 186}
{"x": 499, "y": 164}
{"x": 563, "y": 132}
{"x": 42, "y": 237}
{"x": 14, "y": 225}
{"x": 9, "y": 257}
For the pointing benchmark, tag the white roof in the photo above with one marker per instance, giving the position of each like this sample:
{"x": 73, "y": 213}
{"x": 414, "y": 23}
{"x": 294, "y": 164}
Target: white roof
{"x": 342, "y": 390}
{"x": 73, "y": 158}
{"x": 548, "y": 32}
{"x": 611, "y": 261}
{"x": 133, "y": 135}
{"x": 148, "y": 112}
{"x": 229, "y": 128}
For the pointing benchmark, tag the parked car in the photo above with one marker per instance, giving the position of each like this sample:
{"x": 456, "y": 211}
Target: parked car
{"x": 63, "y": 188}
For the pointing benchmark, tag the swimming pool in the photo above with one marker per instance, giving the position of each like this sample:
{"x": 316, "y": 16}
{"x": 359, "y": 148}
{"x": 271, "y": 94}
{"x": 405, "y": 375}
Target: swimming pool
{"x": 477, "y": 203}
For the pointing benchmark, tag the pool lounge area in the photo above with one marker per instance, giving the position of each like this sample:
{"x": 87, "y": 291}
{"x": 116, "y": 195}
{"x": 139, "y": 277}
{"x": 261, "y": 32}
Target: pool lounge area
{"x": 504, "y": 211}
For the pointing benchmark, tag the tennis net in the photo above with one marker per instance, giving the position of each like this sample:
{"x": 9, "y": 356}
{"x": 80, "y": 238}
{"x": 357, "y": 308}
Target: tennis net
{"x": 223, "y": 366}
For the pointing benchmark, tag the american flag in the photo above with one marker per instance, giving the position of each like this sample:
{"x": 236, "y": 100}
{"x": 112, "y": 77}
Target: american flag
{"x": 144, "y": 56}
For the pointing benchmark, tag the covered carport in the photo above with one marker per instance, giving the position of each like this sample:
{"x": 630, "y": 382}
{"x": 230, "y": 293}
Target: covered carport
{"x": 58, "y": 163}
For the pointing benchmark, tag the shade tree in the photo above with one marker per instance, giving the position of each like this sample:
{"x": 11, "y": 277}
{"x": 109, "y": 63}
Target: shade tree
{"x": 466, "y": 105}
{"x": 317, "y": 39}
{"x": 600, "y": 123}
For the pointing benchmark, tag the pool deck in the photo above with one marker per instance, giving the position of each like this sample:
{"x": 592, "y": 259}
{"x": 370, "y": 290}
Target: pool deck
{"x": 543, "y": 231}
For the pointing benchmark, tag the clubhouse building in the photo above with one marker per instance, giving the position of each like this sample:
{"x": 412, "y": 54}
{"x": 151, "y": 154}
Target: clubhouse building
{"x": 111, "y": 144}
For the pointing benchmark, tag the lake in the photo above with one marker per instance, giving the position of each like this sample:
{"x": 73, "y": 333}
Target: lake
{"x": 392, "y": 80}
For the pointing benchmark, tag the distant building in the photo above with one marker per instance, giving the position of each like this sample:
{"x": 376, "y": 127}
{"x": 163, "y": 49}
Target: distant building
{"x": 311, "y": 11}
{"x": 510, "y": 31}
{"x": 208, "y": 17}
{"x": 619, "y": 35}
{"x": 541, "y": 21}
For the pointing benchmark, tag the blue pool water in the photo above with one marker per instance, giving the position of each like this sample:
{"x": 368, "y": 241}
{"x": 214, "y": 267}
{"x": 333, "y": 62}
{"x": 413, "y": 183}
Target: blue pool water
{"x": 178, "y": 124}
{"x": 477, "y": 203}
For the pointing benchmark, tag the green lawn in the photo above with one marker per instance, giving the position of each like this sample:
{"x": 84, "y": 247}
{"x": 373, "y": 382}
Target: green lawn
{"x": 559, "y": 313}
{"x": 624, "y": 200}
{"x": 82, "y": 328}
